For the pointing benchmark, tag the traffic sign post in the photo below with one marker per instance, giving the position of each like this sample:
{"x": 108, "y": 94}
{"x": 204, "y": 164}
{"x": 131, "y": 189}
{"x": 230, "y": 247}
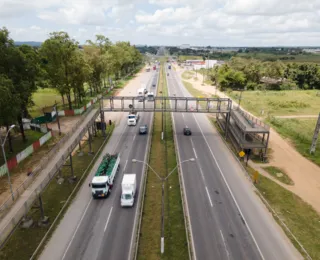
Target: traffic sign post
{"x": 255, "y": 177}
{"x": 242, "y": 154}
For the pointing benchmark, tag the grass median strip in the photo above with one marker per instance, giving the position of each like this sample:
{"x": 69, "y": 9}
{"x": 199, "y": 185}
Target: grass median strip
{"x": 23, "y": 242}
{"x": 175, "y": 234}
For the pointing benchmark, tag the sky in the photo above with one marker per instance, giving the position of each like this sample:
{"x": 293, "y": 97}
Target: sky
{"x": 168, "y": 22}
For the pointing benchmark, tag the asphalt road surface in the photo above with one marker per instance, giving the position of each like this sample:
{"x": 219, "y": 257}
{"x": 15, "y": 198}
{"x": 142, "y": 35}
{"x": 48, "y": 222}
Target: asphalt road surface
{"x": 227, "y": 219}
{"x": 101, "y": 229}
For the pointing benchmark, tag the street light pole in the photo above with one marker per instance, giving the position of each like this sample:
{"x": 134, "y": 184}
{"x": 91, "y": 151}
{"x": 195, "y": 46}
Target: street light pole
{"x": 5, "y": 159}
{"x": 163, "y": 180}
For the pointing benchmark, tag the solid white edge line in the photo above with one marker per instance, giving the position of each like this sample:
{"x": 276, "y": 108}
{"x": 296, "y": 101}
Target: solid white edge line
{"x": 74, "y": 234}
{"x": 195, "y": 153}
{"x": 209, "y": 197}
{"x": 125, "y": 165}
{"x": 184, "y": 189}
{"x": 105, "y": 227}
{"x": 231, "y": 193}
{"x": 225, "y": 244}
{"x": 202, "y": 173}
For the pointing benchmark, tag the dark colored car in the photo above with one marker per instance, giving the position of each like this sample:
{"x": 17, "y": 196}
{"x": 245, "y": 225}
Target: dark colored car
{"x": 187, "y": 131}
{"x": 143, "y": 129}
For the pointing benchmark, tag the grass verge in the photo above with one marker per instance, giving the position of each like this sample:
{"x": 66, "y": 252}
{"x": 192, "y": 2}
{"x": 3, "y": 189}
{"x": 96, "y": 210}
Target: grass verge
{"x": 301, "y": 219}
{"x": 279, "y": 174}
{"x": 188, "y": 74}
{"x": 150, "y": 233}
{"x": 23, "y": 242}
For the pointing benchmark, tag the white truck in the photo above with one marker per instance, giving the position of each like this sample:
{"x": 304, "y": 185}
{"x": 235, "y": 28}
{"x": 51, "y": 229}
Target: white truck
{"x": 128, "y": 186}
{"x": 133, "y": 118}
{"x": 141, "y": 92}
{"x": 102, "y": 181}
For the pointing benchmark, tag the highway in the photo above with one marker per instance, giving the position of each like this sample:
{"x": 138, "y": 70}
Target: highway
{"x": 227, "y": 219}
{"x": 101, "y": 229}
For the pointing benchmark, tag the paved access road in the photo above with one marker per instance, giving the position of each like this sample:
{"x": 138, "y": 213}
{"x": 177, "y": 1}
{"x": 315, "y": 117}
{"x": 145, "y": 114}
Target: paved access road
{"x": 227, "y": 219}
{"x": 101, "y": 229}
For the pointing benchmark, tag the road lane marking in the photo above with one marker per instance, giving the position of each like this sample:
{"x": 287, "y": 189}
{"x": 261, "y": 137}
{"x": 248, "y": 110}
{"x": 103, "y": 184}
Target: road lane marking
{"x": 74, "y": 234}
{"x": 202, "y": 175}
{"x": 225, "y": 244}
{"x": 125, "y": 165}
{"x": 195, "y": 152}
{"x": 105, "y": 227}
{"x": 209, "y": 197}
{"x": 231, "y": 193}
{"x": 134, "y": 137}
{"x": 182, "y": 115}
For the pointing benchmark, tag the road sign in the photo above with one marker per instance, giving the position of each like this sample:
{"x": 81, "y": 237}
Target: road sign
{"x": 242, "y": 154}
{"x": 255, "y": 176}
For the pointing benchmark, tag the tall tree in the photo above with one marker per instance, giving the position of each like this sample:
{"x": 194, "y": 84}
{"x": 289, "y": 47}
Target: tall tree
{"x": 58, "y": 52}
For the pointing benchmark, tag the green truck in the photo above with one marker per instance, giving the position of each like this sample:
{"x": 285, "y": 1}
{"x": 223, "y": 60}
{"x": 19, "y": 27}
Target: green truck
{"x": 102, "y": 181}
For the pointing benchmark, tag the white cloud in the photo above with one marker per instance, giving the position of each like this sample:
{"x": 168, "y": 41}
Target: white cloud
{"x": 165, "y": 15}
{"x": 34, "y": 27}
{"x": 202, "y": 22}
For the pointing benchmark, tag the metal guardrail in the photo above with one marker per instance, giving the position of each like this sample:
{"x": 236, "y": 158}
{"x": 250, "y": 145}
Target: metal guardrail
{"x": 253, "y": 119}
{"x": 44, "y": 161}
{"x": 23, "y": 210}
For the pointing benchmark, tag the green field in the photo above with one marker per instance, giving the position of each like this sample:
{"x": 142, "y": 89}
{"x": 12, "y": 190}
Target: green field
{"x": 276, "y": 103}
{"x": 300, "y": 133}
{"x": 287, "y": 58}
{"x": 184, "y": 58}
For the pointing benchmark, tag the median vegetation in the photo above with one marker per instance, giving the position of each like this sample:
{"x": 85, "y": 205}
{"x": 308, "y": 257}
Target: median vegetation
{"x": 163, "y": 160}
{"x": 23, "y": 242}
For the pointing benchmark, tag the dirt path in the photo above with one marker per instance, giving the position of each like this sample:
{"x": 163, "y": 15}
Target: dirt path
{"x": 304, "y": 173}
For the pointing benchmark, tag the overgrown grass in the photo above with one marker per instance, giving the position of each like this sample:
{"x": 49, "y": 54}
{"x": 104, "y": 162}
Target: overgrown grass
{"x": 175, "y": 233}
{"x": 291, "y": 102}
{"x": 23, "y": 242}
{"x": 18, "y": 145}
{"x": 299, "y": 216}
{"x": 279, "y": 174}
{"x": 188, "y": 74}
{"x": 299, "y": 132}
{"x": 290, "y": 58}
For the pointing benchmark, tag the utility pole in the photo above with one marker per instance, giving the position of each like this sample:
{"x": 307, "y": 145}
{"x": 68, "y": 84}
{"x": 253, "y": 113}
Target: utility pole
{"x": 240, "y": 97}
{"x": 315, "y": 136}
{"x": 58, "y": 121}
